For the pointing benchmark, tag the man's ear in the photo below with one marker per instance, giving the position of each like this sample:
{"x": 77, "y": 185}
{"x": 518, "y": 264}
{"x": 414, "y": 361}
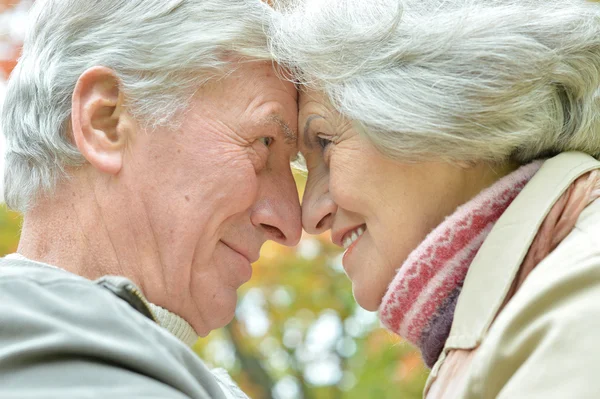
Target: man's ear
{"x": 99, "y": 121}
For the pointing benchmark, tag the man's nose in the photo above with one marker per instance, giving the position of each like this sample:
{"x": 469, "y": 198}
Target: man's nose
{"x": 277, "y": 210}
{"x": 318, "y": 209}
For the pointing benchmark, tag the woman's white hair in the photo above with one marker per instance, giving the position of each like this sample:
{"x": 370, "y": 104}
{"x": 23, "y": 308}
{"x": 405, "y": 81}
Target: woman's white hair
{"x": 457, "y": 80}
{"x": 161, "y": 50}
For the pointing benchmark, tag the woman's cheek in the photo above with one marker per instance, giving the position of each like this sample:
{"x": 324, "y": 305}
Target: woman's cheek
{"x": 346, "y": 189}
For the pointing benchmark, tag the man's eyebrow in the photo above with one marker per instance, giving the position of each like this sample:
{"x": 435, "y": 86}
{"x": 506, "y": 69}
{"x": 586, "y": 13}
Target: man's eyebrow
{"x": 290, "y": 137}
{"x": 305, "y": 137}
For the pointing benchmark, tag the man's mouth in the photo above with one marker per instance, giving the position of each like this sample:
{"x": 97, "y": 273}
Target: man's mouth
{"x": 245, "y": 253}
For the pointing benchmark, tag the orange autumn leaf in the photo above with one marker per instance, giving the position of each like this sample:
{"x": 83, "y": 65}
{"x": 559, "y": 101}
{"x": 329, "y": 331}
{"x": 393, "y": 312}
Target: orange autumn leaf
{"x": 7, "y": 66}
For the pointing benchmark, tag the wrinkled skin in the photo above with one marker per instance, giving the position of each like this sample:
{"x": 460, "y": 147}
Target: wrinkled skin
{"x": 184, "y": 212}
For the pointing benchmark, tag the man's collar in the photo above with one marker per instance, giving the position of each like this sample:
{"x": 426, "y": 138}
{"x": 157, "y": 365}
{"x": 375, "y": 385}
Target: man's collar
{"x": 173, "y": 323}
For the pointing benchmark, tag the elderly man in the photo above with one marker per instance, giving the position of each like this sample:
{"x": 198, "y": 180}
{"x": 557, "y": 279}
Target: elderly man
{"x": 148, "y": 146}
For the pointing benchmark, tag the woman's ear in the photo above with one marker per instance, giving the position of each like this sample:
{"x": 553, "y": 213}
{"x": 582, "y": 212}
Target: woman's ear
{"x": 99, "y": 121}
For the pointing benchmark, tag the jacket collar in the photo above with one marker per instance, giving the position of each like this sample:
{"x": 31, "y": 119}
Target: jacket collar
{"x": 495, "y": 266}
{"x": 130, "y": 293}
{"x": 420, "y": 302}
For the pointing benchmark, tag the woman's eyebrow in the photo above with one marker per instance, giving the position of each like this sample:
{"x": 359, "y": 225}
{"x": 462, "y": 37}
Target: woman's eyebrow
{"x": 305, "y": 138}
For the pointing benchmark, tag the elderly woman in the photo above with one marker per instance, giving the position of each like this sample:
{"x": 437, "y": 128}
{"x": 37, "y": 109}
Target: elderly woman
{"x": 148, "y": 146}
{"x": 450, "y": 150}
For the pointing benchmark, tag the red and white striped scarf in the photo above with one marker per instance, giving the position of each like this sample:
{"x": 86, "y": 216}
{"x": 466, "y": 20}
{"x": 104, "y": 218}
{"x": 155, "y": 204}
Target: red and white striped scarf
{"x": 420, "y": 302}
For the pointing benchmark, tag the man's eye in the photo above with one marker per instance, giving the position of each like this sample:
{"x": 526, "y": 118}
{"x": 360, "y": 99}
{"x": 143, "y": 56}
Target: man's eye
{"x": 323, "y": 142}
{"x": 267, "y": 141}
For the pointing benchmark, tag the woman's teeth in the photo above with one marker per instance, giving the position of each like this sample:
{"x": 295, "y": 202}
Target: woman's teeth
{"x": 350, "y": 238}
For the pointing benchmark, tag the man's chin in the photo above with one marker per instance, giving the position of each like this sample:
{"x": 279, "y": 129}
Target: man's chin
{"x": 215, "y": 312}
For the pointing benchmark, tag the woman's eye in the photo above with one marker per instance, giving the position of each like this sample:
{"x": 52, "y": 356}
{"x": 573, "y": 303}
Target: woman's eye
{"x": 323, "y": 142}
{"x": 267, "y": 141}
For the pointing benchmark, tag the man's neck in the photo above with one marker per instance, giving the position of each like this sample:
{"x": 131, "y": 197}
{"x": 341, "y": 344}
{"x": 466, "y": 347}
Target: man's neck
{"x": 90, "y": 227}
{"x": 55, "y": 234}
{"x": 79, "y": 228}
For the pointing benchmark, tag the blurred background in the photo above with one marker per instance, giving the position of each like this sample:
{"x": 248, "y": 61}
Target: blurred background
{"x": 298, "y": 334}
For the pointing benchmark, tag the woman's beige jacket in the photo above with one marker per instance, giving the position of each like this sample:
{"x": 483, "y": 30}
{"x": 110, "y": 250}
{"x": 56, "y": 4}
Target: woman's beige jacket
{"x": 545, "y": 341}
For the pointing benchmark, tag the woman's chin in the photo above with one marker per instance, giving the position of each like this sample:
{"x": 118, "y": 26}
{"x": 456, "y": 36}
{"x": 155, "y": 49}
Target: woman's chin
{"x": 366, "y": 298}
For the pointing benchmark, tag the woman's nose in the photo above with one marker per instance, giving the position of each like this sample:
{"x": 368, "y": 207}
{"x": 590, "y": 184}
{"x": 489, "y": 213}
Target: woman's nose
{"x": 318, "y": 211}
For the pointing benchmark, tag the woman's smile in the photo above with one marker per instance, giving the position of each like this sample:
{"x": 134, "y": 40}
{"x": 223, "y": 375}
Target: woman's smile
{"x": 352, "y": 236}
{"x": 378, "y": 209}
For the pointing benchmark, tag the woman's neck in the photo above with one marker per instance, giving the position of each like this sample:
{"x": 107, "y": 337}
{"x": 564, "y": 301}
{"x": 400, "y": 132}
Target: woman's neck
{"x": 419, "y": 304}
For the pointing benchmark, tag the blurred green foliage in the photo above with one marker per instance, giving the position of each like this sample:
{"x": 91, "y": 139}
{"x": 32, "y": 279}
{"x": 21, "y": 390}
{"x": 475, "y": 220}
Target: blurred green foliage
{"x": 10, "y": 226}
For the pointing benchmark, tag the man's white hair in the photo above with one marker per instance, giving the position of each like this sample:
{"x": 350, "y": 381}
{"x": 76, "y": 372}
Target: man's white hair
{"x": 456, "y": 80}
{"x": 161, "y": 50}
